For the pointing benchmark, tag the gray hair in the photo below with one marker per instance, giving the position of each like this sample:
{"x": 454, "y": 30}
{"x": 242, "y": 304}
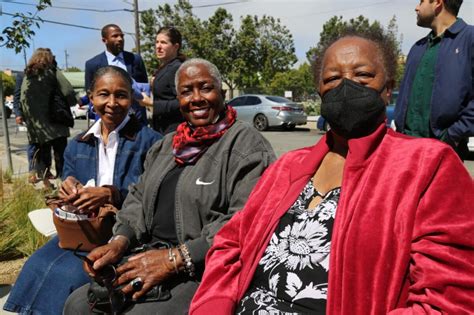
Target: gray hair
{"x": 213, "y": 71}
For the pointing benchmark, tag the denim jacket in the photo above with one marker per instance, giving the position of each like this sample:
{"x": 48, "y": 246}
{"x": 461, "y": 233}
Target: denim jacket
{"x": 81, "y": 156}
{"x": 452, "y": 101}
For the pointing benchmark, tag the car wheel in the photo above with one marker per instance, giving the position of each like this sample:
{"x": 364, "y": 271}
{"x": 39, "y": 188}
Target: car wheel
{"x": 289, "y": 127}
{"x": 260, "y": 122}
{"x": 8, "y": 112}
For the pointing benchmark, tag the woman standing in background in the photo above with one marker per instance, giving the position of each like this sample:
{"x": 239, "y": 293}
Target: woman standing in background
{"x": 166, "y": 114}
{"x": 42, "y": 78}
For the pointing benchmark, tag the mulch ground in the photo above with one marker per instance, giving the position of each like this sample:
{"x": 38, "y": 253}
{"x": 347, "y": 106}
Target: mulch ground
{"x": 9, "y": 270}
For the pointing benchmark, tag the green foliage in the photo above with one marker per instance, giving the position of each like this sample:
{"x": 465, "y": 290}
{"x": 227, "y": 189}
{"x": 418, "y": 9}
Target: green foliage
{"x": 8, "y": 84}
{"x": 248, "y": 57}
{"x": 18, "y": 35}
{"x": 217, "y": 44}
{"x": 276, "y": 51}
{"x": 299, "y": 81}
{"x": 18, "y": 237}
{"x": 72, "y": 69}
{"x": 312, "y": 108}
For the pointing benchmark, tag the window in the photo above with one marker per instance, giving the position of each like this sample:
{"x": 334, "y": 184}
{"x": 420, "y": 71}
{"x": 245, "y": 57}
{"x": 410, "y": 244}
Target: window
{"x": 252, "y": 100}
{"x": 236, "y": 102}
{"x": 278, "y": 99}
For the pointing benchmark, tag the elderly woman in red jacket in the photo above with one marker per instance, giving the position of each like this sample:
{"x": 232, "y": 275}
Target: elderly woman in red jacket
{"x": 367, "y": 221}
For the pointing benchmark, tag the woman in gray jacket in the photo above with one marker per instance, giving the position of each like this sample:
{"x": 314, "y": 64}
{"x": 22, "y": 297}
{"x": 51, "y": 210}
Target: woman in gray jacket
{"x": 194, "y": 181}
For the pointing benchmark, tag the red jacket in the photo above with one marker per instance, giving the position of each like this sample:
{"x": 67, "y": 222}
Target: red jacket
{"x": 403, "y": 237}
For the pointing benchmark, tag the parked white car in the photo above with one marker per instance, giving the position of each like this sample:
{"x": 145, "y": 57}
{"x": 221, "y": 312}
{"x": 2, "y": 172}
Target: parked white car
{"x": 8, "y": 108}
{"x": 265, "y": 111}
{"x": 79, "y": 112}
{"x": 470, "y": 144}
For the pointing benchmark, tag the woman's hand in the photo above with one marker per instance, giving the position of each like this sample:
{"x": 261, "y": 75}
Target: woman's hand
{"x": 146, "y": 101}
{"x": 92, "y": 198}
{"x": 69, "y": 189}
{"x": 86, "y": 199}
{"x": 106, "y": 255}
{"x": 152, "y": 266}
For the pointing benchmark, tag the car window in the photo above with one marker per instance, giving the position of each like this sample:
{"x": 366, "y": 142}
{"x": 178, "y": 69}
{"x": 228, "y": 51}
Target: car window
{"x": 236, "y": 102}
{"x": 278, "y": 99}
{"x": 252, "y": 100}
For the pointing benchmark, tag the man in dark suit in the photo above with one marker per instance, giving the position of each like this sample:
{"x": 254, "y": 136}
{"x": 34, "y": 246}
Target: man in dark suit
{"x": 113, "y": 38}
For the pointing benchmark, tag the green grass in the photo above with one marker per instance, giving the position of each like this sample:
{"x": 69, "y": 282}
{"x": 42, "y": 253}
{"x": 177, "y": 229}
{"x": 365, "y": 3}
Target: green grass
{"x": 18, "y": 237}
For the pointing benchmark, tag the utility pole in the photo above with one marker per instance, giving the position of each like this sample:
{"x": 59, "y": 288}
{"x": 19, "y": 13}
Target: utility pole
{"x": 137, "y": 27}
{"x": 65, "y": 56}
{"x": 24, "y": 56}
{"x": 6, "y": 137}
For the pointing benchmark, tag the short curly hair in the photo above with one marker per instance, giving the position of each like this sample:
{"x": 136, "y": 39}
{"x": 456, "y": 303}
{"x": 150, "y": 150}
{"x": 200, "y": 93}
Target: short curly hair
{"x": 385, "y": 44}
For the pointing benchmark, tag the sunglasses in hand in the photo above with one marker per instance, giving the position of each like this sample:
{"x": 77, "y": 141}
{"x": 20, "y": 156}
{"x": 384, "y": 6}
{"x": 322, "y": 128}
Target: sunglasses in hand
{"x": 104, "y": 276}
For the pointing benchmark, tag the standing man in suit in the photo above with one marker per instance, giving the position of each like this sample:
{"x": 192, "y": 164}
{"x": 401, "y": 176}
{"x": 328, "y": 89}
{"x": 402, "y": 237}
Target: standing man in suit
{"x": 436, "y": 97}
{"x": 114, "y": 55}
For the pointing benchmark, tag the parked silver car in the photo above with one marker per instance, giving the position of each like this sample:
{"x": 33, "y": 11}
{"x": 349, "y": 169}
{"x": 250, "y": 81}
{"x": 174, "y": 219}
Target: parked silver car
{"x": 264, "y": 111}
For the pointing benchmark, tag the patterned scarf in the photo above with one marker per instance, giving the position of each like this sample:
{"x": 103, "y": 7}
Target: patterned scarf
{"x": 190, "y": 143}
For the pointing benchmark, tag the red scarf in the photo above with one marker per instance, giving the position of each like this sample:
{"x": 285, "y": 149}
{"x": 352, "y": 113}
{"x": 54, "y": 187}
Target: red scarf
{"x": 190, "y": 143}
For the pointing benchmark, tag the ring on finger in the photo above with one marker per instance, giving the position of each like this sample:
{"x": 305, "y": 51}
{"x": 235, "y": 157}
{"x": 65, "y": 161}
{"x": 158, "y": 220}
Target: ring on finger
{"x": 137, "y": 283}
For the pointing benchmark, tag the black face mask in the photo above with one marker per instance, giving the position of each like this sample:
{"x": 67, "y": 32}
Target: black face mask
{"x": 353, "y": 110}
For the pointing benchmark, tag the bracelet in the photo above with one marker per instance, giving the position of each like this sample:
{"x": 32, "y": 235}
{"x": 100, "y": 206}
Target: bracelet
{"x": 188, "y": 262}
{"x": 172, "y": 258}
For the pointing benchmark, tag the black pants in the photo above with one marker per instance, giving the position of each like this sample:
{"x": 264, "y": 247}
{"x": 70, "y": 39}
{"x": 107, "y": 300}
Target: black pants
{"x": 42, "y": 156}
{"x": 462, "y": 149}
{"x": 181, "y": 296}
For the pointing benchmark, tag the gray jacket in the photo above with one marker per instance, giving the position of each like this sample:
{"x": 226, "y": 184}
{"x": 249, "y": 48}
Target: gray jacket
{"x": 207, "y": 194}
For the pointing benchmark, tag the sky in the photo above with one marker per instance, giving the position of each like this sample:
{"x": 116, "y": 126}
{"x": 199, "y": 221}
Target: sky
{"x": 304, "y": 19}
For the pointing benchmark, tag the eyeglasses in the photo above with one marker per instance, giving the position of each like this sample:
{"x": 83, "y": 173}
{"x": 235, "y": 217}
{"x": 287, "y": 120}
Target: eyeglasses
{"x": 104, "y": 276}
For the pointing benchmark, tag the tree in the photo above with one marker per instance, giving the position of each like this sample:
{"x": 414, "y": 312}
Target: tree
{"x": 299, "y": 81}
{"x": 276, "y": 51}
{"x": 17, "y": 36}
{"x": 247, "y": 58}
{"x": 263, "y": 48}
{"x": 217, "y": 44}
{"x": 8, "y": 84}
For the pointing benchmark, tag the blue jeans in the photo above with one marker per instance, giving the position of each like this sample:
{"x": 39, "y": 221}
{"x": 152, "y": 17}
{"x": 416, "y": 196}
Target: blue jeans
{"x": 46, "y": 280}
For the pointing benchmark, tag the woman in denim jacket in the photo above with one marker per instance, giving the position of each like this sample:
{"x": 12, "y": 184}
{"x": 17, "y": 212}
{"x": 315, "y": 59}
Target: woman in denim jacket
{"x": 52, "y": 273}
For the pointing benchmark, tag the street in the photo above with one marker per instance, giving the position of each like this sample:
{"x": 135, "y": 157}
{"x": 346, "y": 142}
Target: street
{"x": 282, "y": 141}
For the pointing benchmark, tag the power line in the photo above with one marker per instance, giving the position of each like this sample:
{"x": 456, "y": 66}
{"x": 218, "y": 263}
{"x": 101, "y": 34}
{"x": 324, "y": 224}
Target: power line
{"x": 219, "y": 4}
{"x": 124, "y": 9}
{"x": 62, "y": 23}
{"x": 69, "y": 8}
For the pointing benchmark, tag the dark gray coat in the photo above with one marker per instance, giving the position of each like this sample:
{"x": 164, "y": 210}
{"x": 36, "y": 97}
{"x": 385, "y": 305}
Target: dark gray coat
{"x": 229, "y": 170}
{"x": 36, "y": 91}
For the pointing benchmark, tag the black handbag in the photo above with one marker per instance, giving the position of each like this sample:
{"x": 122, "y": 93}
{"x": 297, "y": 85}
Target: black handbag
{"x": 105, "y": 299}
{"x": 59, "y": 110}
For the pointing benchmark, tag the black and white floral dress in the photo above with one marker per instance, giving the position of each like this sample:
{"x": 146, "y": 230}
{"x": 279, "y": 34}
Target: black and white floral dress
{"x": 292, "y": 275}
